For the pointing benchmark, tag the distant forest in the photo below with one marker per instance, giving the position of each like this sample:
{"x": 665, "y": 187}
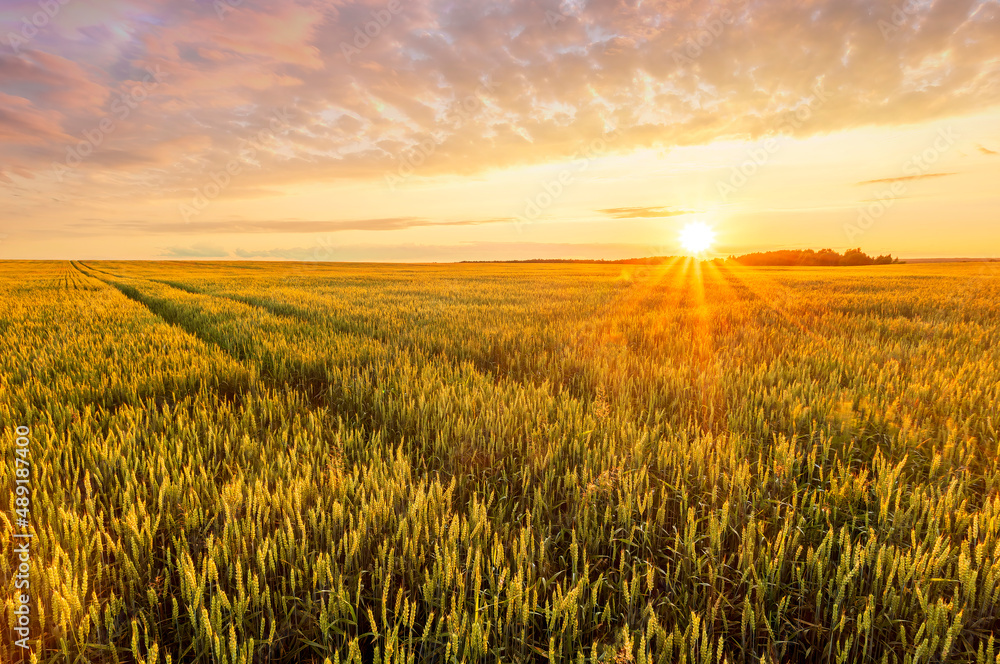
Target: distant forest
{"x": 804, "y": 257}
{"x": 826, "y": 257}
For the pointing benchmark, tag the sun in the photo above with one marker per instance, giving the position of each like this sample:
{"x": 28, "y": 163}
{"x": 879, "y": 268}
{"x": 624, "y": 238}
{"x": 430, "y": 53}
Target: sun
{"x": 697, "y": 237}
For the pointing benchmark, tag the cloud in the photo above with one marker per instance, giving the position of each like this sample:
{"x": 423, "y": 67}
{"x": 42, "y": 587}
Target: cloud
{"x": 22, "y": 123}
{"x": 195, "y": 251}
{"x": 643, "y": 212}
{"x": 488, "y": 85}
{"x": 481, "y": 251}
{"x": 316, "y": 253}
{"x": 906, "y": 178}
{"x": 986, "y": 150}
{"x": 879, "y": 200}
{"x": 288, "y": 226}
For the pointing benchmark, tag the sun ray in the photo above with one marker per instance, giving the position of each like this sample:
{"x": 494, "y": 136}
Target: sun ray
{"x": 779, "y": 298}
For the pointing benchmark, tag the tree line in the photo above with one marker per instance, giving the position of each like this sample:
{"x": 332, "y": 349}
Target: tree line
{"x": 825, "y": 257}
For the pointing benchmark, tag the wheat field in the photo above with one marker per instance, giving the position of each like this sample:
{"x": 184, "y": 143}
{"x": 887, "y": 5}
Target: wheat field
{"x": 694, "y": 462}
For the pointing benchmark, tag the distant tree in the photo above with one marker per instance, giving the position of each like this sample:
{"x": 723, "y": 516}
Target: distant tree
{"x": 827, "y": 257}
{"x": 808, "y": 257}
{"x": 856, "y": 257}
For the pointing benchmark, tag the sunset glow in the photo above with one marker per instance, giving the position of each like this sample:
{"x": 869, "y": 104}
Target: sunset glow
{"x": 697, "y": 238}
{"x": 322, "y": 130}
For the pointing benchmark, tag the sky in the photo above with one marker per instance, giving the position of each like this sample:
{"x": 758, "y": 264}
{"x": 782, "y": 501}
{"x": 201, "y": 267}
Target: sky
{"x": 413, "y": 130}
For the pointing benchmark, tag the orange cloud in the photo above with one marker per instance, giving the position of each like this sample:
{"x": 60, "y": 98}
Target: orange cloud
{"x": 642, "y": 212}
{"x": 444, "y": 88}
{"x": 663, "y": 73}
{"x": 905, "y": 178}
{"x": 288, "y": 226}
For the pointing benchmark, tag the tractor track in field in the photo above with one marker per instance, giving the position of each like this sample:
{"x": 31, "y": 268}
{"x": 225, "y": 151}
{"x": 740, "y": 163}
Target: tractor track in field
{"x": 484, "y": 366}
{"x": 232, "y": 394}
{"x": 362, "y": 409}
{"x": 77, "y": 264}
{"x": 169, "y": 316}
{"x": 314, "y": 381}
{"x": 572, "y": 385}
{"x": 358, "y": 406}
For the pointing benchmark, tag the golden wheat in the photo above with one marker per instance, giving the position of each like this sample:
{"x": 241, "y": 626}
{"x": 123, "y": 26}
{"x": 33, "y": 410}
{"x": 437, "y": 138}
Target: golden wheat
{"x": 687, "y": 463}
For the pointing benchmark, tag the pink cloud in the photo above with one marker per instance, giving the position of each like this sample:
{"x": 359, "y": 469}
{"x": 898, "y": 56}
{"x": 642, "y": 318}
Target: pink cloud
{"x": 664, "y": 73}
